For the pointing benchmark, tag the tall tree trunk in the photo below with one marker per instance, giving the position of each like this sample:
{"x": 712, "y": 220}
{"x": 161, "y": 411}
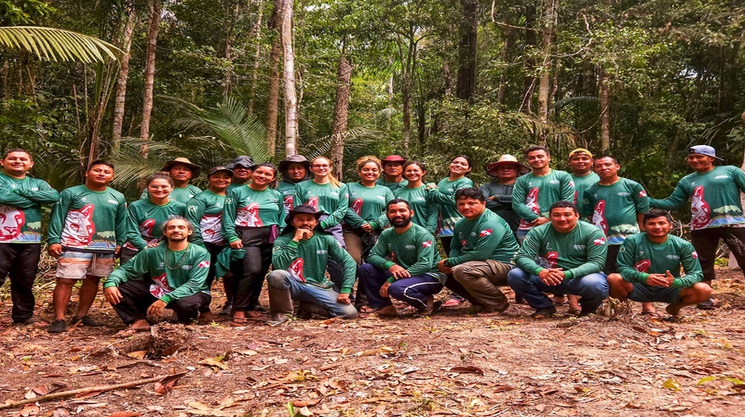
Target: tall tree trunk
{"x": 152, "y": 42}
{"x": 272, "y": 109}
{"x": 341, "y": 113}
{"x": 467, "y": 48}
{"x": 121, "y": 82}
{"x": 504, "y": 54}
{"x": 604, "y": 111}
{"x": 406, "y": 116}
{"x": 447, "y": 76}
{"x": 545, "y": 79}
{"x": 256, "y": 36}
{"x": 529, "y": 64}
{"x": 289, "y": 80}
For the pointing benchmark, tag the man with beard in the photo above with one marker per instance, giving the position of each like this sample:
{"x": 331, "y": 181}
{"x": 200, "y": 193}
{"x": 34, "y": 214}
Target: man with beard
{"x": 181, "y": 171}
{"x": 402, "y": 265}
{"x": 617, "y": 206}
{"x": 581, "y": 164}
{"x": 21, "y": 197}
{"x": 564, "y": 256}
{"x": 393, "y": 170}
{"x": 179, "y": 272}
{"x": 300, "y": 258}
{"x": 716, "y": 211}
{"x": 649, "y": 267}
{"x": 294, "y": 169}
{"x": 535, "y": 191}
{"x": 482, "y": 252}
{"x": 242, "y": 167}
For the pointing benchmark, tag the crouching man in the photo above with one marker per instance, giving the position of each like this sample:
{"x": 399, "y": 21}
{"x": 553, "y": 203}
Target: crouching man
{"x": 179, "y": 272}
{"x": 300, "y": 259}
{"x": 410, "y": 271}
{"x": 564, "y": 256}
{"x": 649, "y": 267}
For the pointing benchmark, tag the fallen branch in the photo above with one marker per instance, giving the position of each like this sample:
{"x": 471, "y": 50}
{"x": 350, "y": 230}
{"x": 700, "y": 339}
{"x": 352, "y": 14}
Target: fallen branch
{"x": 100, "y": 388}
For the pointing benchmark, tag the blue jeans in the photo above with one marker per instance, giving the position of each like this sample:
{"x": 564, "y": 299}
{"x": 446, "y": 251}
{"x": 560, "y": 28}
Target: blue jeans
{"x": 412, "y": 290}
{"x": 309, "y": 293}
{"x": 592, "y": 289}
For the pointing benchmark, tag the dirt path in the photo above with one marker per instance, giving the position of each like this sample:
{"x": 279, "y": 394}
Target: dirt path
{"x": 450, "y": 364}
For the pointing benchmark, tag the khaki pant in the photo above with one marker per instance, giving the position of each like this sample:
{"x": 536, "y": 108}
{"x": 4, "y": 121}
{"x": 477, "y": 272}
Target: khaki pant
{"x": 481, "y": 279}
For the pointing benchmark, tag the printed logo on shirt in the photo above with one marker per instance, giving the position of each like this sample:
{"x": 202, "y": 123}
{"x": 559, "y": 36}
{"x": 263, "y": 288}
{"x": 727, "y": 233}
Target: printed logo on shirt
{"x": 204, "y": 264}
{"x": 296, "y": 269}
{"x": 673, "y": 257}
{"x": 192, "y": 209}
{"x": 464, "y": 243}
{"x": 600, "y": 241}
{"x": 146, "y": 228}
{"x": 554, "y": 182}
{"x": 186, "y": 267}
{"x": 115, "y": 202}
{"x": 598, "y": 217}
{"x": 356, "y": 206}
{"x": 313, "y": 202}
{"x": 531, "y": 202}
{"x": 11, "y": 221}
{"x": 643, "y": 265}
{"x": 642, "y": 193}
{"x": 485, "y": 232}
{"x": 288, "y": 203}
{"x": 410, "y": 247}
{"x": 623, "y": 194}
{"x": 427, "y": 244}
{"x": 322, "y": 252}
{"x": 79, "y": 228}
{"x": 249, "y": 216}
{"x": 579, "y": 247}
{"x": 700, "y": 210}
{"x": 550, "y": 259}
{"x": 694, "y": 254}
{"x": 721, "y": 177}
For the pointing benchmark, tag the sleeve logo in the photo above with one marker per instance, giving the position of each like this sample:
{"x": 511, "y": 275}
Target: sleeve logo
{"x": 204, "y": 264}
{"x": 642, "y": 193}
{"x": 695, "y": 255}
{"x": 427, "y": 244}
{"x": 600, "y": 241}
{"x": 485, "y": 232}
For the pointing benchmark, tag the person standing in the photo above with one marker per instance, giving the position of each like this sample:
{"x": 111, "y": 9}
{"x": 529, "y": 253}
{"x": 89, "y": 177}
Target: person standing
{"x": 402, "y": 265}
{"x": 498, "y": 192}
{"x": 241, "y": 167}
{"x": 415, "y": 192}
{"x": 393, "y": 169}
{"x": 87, "y": 228}
{"x": 536, "y": 191}
{"x": 581, "y": 164}
{"x": 649, "y": 267}
{"x": 181, "y": 170}
{"x": 294, "y": 169}
{"x": 251, "y": 220}
{"x": 564, "y": 256}
{"x": 21, "y": 197}
{"x": 179, "y": 271}
{"x": 716, "y": 211}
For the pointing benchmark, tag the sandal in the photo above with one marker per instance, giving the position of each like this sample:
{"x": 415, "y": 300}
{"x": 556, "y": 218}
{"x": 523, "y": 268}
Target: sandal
{"x": 239, "y": 321}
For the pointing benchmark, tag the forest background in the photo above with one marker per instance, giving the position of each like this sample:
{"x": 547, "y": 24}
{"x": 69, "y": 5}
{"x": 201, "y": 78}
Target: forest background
{"x": 641, "y": 80}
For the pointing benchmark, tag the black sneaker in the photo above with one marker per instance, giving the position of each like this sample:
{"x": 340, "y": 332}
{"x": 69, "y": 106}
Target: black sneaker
{"x": 226, "y": 309}
{"x": 87, "y": 321}
{"x": 707, "y": 305}
{"x": 544, "y": 313}
{"x": 57, "y": 326}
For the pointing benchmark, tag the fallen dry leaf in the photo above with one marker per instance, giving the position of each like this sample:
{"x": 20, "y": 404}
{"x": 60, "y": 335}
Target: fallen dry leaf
{"x": 467, "y": 370}
{"x": 164, "y": 389}
{"x": 216, "y": 362}
{"x": 139, "y": 354}
{"x": 305, "y": 403}
{"x": 125, "y": 414}
{"x": 30, "y": 410}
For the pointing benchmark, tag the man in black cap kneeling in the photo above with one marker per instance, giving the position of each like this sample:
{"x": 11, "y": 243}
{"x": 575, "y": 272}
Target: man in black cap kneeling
{"x": 300, "y": 258}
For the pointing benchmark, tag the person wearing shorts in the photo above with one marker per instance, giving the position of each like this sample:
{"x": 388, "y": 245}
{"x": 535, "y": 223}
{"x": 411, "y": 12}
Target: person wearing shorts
{"x": 649, "y": 267}
{"x": 87, "y": 228}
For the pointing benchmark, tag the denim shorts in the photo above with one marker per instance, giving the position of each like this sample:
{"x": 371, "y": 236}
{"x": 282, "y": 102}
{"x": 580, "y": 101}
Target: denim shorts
{"x": 644, "y": 293}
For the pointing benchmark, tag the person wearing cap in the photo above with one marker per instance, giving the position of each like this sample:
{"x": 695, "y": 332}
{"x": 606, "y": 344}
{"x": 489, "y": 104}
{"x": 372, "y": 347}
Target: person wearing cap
{"x": 498, "y": 192}
{"x": 649, "y": 265}
{"x": 536, "y": 191}
{"x": 204, "y": 212}
{"x": 300, "y": 259}
{"x": 415, "y": 192}
{"x": 145, "y": 216}
{"x": 617, "y": 206}
{"x": 294, "y": 169}
{"x": 241, "y": 166}
{"x": 181, "y": 170}
{"x": 581, "y": 164}
{"x": 251, "y": 221}
{"x": 716, "y": 211}
{"x": 393, "y": 170}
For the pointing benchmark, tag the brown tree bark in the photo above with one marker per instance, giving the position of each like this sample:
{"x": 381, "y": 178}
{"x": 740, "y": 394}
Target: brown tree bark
{"x": 341, "y": 113}
{"x": 121, "y": 82}
{"x": 545, "y": 78}
{"x": 604, "y": 111}
{"x": 529, "y": 63}
{"x": 256, "y": 36}
{"x": 272, "y": 110}
{"x": 290, "y": 94}
{"x": 152, "y": 42}
{"x": 467, "y": 49}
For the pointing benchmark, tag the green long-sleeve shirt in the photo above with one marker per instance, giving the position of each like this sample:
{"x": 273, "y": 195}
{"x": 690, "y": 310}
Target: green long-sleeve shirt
{"x": 204, "y": 212}
{"x": 180, "y": 194}
{"x": 367, "y": 205}
{"x": 246, "y": 207}
{"x": 307, "y": 260}
{"x": 413, "y": 250}
{"x": 144, "y": 220}
{"x": 533, "y": 195}
{"x": 287, "y": 189}
{"x": 444, "y": 197}
{"x": 502, "y": 202}
{"x": 425, "y": 212}
{"x": 175, "y": 274}
{"x": 488, "y": 237}
{"x": 639, "y": 257}
{"x": 715, "y": 197}
{"x": 614, "y": 208}
{"x": 580, "y": 252}
{"x": 326, "y": 198}
{"x": 393, "y": 186}
{"x": 581, "y": 184}
{"x": 20, "y": 208}
{"x": 89, "y": 221}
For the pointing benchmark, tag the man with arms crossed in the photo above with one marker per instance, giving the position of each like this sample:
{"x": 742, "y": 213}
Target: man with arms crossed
{"x": 564, "y": 256}
{"x": 649, "y": 267}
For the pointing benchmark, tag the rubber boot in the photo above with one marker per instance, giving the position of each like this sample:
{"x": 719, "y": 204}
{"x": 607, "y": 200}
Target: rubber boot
{"x": 280, "y": 304}
{"x": 306, "y": 311}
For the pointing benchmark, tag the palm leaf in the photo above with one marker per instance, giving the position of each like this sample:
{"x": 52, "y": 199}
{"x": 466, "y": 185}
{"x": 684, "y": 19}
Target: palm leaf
{"x": 57, "y": 44}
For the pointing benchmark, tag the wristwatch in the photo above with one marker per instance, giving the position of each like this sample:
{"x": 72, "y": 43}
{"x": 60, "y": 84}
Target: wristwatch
{"x": 447, "y": 263}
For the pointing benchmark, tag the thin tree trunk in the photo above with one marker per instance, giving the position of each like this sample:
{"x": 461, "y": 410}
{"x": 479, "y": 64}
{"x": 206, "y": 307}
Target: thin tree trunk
{"x": 529, "y": 64}
{"x": 5, "y": 73}
{"x": 152, "y": 42}
{"x": 256, "y": 36}
{"x": 228, "y": 26}
{"x": 467, "y": 48}
{"x": 502, "y": 89}
{"x": 290, "y": 95}
{"x": 272, "y": 110}
{"x": 447, "y": 76}
{"x": 545, "y": 79}
{"x": 604, "y": 111}
{"x": 341, "y": 113}
{"x": 121, "y": 82}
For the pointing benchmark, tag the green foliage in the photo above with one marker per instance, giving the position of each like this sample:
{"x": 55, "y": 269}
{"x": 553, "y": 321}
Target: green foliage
{"x": 57, "y": 44}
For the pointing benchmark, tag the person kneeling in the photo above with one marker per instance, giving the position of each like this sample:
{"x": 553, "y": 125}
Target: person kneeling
{"x": 570, "y": 256}
{"x": 410, "y": 272}
{"x": 649, "y": 267}
{"x": 179, "y": 272}
{"x": 300, "y": 259}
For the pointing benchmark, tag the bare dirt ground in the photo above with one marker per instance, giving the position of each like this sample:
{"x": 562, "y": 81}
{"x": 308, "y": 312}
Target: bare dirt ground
{"x": 453, "y": 363}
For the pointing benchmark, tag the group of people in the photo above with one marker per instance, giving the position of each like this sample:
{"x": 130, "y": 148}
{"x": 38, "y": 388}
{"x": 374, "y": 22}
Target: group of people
{"x": 337, "y": 248}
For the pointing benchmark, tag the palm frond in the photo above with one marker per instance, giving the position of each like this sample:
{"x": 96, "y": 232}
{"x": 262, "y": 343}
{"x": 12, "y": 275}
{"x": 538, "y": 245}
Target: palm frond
{"x": 57, "y": 44}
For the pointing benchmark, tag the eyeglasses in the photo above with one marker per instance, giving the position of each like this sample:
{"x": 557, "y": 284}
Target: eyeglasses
{"x": 321, "y": 166}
